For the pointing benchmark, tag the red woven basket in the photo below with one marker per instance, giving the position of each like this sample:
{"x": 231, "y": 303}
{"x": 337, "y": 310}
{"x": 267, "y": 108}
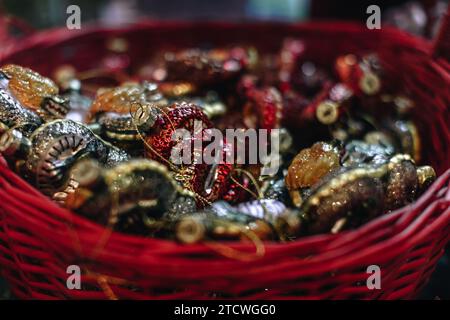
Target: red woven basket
{"x": 39, "y": 240}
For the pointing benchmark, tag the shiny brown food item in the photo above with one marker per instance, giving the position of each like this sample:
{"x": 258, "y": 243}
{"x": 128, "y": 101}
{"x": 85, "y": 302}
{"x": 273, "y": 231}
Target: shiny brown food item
{"x": 345, "y": 205}
{"x": 123, "y": 113}
{"x": 402, "y": 184}
{"x": 349, "y": 197}
{"x": 28, "y": 86}
{"x": 121, "y": 99}
{"x": 311, "y": 164}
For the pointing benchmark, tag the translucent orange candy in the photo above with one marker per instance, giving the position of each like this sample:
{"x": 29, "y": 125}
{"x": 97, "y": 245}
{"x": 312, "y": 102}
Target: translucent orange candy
{"x": 310, "y": 165}
{"x": 118, "y": 99}
{"x": 28, "y": 86}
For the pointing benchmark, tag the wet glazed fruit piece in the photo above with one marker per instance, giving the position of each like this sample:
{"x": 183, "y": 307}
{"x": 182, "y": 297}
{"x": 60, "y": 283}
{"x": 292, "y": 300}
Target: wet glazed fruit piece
{"x": 311, "y": 164}
{"x": 120, "y": 99}
{"x": 28, "y": 86}
{"x": 308, "y": 167}
{"x": 33, "y": 92}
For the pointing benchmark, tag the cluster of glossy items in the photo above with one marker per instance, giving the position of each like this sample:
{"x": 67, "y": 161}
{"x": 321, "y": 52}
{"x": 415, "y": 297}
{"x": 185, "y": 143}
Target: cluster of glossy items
{"x": 107, "y": 157}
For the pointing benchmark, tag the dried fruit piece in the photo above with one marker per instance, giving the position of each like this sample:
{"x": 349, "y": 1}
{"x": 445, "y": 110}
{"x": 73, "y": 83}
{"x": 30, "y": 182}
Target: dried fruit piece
{"x": 346, "y": 201}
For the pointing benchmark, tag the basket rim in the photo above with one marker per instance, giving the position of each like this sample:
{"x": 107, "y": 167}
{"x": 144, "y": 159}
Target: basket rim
{"x": 60, "y": 35}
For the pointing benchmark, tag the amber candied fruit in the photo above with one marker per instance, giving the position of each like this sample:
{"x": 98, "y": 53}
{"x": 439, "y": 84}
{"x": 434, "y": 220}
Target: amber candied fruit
{"x": 119, "y": 99}
{"x": 28, "y": 86}
{"x": 311, "y": 164}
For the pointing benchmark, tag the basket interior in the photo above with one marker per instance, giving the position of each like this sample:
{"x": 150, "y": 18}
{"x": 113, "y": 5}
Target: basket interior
{"x": 405, "y": 58}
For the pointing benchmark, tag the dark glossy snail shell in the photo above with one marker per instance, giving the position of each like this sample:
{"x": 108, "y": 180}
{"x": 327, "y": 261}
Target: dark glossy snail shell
{"x": 405, "y": 136}
{"x": 127, "y": 196}
{"x": 359, "y": 152}
{"x": 276, "y": 189}
{"x": 79, "y": 104}
{"x": 14, "y": 115}
{"x": 348, "y": 197}
{"x": 224, "y": 223}
{"x": 57, "y": 146}
{"x": 401, "y": 185}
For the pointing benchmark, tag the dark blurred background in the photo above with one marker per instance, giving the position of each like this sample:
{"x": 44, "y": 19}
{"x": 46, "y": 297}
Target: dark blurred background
{"x": 418, "y": 17}
{"x": 51, "y": 13}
